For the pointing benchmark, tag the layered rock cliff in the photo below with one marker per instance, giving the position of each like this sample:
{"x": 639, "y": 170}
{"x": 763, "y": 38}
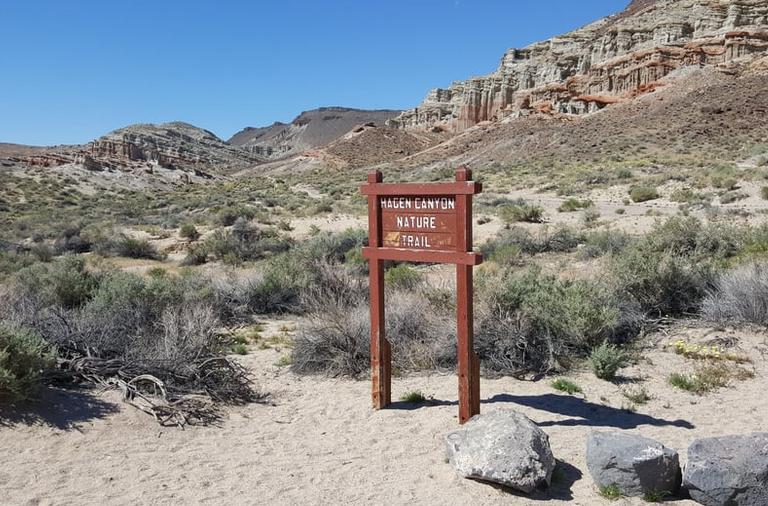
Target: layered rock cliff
{"x": 171, "y": 145}
{"x": 611, "y": 60}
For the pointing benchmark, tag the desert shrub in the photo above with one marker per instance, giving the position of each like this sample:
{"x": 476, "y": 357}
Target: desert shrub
{"x": 64, "y": 283}
{"x": 536, "y": 322}
{"x": 24, "y": 357}
{"x": 687, "y": 196}
{"x": 243, "y": 242}
{"x": 413, "y": 397}
{"x": 611, "y": 492}
{"x": 335, "y": 339}
{"x": 70, "y": 241}
{"x": 11, "y": 262}
{"x": 764, "y": 192}
{"x": 603, "y": 242}
{"x": 566, "y": 385}
{"x": 229, "y": 215}
{"x": 724, "y": 182}
{"x": 643, "y": 193}
{"x": 709, "y": 376}
{"x": 739, "y": 296}
{"x": 128, "y": 327}
{"x": 668, "y": 271}
{"x": 521, "y": 211}
{"x": 572, "y": 204}
{"x": 606, "y": 360}
{"x": 590, "y": 216}
{"x": 560, "y": 239}
{"x": 130, "y": 247}
{"x": 732, "y": 196}
{"x": 197, "y": 254}
{"x": 660, "y": 283}
{"x": 189, "y": 231}
{"x": 402, "y": 276}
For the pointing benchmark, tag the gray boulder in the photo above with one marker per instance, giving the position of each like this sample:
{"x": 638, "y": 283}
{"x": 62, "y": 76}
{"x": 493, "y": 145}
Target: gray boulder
{"x": 635, "y": 464}
{"x": 503, "y": 447}
{"x": 728, "y": 470}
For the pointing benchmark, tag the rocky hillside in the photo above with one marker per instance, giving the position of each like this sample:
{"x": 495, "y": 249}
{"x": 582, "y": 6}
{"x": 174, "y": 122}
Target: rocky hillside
{"x": 144, "y": 149}
{"x": 311, "y": 129}
{"x": 171, "y": 145}
{"x": 697, "y": 117}
{"x": 611, "y": 60}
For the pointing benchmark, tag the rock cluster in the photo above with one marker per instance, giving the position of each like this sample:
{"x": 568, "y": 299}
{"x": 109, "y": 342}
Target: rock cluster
{"x": 608, "y": 61}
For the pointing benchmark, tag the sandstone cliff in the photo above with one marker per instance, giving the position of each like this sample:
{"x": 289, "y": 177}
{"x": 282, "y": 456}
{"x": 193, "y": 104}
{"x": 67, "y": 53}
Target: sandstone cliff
{"x": 609, "y": 61}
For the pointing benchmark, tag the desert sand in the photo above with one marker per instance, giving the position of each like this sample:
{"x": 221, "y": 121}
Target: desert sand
{"x": 317, "y": 440}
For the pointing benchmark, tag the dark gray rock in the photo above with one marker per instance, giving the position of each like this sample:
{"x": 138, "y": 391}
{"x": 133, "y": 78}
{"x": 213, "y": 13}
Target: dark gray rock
{"x": 503, "y": 447}
{"x": 635, "y": 464}
{"x": 728, "y": 470}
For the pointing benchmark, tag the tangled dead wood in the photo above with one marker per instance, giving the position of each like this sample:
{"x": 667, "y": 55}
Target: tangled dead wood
{"x": 179, "y": 398}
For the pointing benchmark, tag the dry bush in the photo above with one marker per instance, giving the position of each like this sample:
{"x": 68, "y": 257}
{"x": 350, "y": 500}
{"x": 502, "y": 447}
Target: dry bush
{"x": 739, "y": 296}
{"x": 335, "y": 338}
{"x": 113, "y": 327}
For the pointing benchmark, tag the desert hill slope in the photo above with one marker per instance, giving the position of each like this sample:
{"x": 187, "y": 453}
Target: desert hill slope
{"x": 310, "y": 129}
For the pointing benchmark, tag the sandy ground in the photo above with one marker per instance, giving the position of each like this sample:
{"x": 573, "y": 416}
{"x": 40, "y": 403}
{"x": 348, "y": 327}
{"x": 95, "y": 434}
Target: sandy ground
{"x": 318, "y": 441}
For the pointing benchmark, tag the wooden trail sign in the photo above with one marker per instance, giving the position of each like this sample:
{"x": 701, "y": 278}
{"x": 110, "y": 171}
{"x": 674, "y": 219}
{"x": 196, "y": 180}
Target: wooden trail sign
{"x": 423, "y": 222}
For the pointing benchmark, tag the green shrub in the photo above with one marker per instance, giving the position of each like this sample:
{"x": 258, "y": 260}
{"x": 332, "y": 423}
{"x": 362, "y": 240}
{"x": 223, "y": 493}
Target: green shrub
{"x": 130, "y": 247}
{"x": 229, "y": 215}
{"x": 70, "y": 241}
{"x": 643, "y": 193}
{"x": 573, "y": 204}
{"x": 532, "y": 321}
{"x": 24, "y": 357}
{"x": 764, "y": 192}
{"x": 243, "y": 242}
{"x": 637, "y": 396}
{"x": 402, "y": 276}
{"x": 603, "y": 242}
{"x": 189, "y": 231}
{"x": 661, "y": 283}
{"x": 606, "y": 360}
{"x": 611, "y": 492}
{"x": 511, "y": 213}
{"x": 724, "y": 182}
{"x": 566, "y": 385}
{"x": 64, "y": 282}
{"x": 413, "y": 397}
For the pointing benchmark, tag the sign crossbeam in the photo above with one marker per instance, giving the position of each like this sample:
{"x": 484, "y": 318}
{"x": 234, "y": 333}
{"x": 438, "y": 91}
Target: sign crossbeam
{"x": 432, "y": 223}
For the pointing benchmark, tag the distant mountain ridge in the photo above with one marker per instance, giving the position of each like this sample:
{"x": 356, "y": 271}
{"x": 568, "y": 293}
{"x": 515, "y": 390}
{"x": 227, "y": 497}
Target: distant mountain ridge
{"x": 309, "y": 130}
{"x": 183, "y": 147}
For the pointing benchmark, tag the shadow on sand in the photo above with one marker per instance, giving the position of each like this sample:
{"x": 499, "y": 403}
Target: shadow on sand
{"x": 579, "y": 411}
{"x": 59, "y": 408}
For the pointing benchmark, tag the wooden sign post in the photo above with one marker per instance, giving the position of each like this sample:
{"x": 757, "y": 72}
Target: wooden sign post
{"x": 423, "y": 222}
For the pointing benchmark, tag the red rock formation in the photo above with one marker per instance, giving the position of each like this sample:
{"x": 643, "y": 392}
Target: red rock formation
{"x": 611, "y": 60}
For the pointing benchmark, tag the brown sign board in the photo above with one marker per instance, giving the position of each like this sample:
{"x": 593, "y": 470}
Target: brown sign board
{"x": 423, "y": 222}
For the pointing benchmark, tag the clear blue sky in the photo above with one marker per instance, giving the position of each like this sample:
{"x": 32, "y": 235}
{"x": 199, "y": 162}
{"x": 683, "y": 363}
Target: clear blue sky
{"x": 73, "y": 70}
